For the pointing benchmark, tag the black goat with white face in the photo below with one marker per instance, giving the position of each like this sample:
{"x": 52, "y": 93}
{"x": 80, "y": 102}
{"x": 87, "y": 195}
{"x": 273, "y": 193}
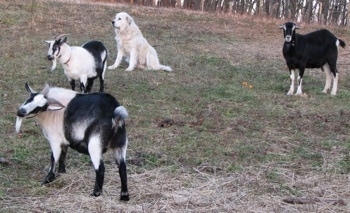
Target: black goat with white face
{"x": 318, "y": 49}
{"x": 88, "y": 123}
{"x": 84, "y": 63}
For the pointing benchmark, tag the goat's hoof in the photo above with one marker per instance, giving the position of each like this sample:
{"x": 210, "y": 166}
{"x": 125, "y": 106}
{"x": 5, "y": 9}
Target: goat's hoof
{"x": 128, "y": 70}
{"x": 50, "y": 178}
{"x": 111, "y": 67}
{"x": 62, "y": 170}
{"x": 95, "y": 194}
{"x": 124, "y": 196}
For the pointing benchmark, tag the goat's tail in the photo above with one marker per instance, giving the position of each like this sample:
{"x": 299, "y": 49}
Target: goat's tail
{"x": 341, "y": 43}
{"x": 120, "y": 113}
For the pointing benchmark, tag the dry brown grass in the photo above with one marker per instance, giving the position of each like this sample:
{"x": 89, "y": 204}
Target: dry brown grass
{"x": 184, "y": 190}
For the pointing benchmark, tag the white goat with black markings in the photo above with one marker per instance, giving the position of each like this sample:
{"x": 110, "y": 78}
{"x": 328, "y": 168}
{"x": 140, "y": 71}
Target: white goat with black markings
{"x": 89, "y": 123}
{"x": 83, "y": 63}
{"x": 318, "y": 49}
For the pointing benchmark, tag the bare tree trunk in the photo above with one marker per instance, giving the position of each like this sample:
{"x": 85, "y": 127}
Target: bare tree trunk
{"x": 261, "y": 6}
{"x": 308, "y": 11}
{"x": 267, "y": 7}
{"x": 251, "y": 7}
{"x": 202, "y": 5}
{"x": 347, "y": 14}
{"x": 242, "y": 6}
{"x": 178, "y": 3}
{"x": 344, "y": 12}
{"x": 321, "y": 11}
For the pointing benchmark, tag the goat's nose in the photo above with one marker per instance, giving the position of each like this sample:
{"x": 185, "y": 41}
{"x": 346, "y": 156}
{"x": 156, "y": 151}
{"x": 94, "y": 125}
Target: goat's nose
{"x": 49, "y": 57}
{"x": 21, "y": 112}
{"x": 113, "y": 23}
{"x": 288, "y": 38}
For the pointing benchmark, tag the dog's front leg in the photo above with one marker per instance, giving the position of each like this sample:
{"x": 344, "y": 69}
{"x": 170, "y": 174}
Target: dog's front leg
{"x": 118, "y": 60}
{"x": 132, "y": 60}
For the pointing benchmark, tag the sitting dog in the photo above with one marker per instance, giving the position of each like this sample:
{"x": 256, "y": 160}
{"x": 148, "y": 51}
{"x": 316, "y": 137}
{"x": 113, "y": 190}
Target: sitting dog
{"x": 133, "y": 47}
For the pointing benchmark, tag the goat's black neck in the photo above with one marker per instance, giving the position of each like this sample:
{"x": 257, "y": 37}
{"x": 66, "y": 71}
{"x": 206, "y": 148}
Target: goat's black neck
{"x": 289, "y": 46}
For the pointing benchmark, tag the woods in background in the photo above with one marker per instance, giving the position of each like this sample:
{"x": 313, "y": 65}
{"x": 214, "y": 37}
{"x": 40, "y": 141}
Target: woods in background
{"x": 311, "y": 11}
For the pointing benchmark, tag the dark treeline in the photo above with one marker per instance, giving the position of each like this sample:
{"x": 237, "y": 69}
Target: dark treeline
{"x": 311, "y": 11}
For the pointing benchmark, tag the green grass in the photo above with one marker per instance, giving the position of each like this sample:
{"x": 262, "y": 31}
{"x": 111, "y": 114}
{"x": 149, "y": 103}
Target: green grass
{"x": 226, "y": 96}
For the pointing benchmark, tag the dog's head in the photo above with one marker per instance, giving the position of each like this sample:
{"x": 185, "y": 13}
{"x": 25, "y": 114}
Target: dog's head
{"x": 122, "y": 20}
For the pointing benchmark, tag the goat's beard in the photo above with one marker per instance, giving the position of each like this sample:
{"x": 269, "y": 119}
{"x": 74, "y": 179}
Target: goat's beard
{"x": 18, "y": 123}
{"x": 288, "y": 45}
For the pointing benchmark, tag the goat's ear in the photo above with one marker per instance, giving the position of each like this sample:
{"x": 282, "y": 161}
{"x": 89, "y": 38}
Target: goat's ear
{"x": 62, "y": 40}
{"x": 29, "y": 89}
{"x": 47, "y": 41}
{"x": 297, "y": 27}
{"x": 54, "y": 104}
{"x": 46, "y": 89}
{"x": 281, "y": 27}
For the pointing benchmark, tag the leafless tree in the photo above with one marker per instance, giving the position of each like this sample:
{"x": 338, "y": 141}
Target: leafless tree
{"x": 311, "y": 11}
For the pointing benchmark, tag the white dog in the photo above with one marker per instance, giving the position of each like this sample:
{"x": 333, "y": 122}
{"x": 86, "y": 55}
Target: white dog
{"x": 133, "y": 47}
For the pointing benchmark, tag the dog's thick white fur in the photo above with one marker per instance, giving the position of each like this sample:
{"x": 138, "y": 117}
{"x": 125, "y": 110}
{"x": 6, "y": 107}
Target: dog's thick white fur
{"x": 133, "y": 47}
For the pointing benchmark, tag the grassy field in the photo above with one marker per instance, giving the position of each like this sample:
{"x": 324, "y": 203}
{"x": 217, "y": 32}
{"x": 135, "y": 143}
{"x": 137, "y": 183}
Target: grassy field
{"x": 219, "y": 134}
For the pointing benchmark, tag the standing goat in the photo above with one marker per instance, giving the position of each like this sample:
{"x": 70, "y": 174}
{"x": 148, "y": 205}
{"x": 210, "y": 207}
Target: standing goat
{"x": 83, "y": 63}
{"x": 317, "y": 49}
{"x": 88, "y": 123}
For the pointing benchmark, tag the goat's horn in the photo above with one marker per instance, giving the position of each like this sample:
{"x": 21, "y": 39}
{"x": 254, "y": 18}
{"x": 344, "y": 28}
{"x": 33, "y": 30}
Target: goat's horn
{"x": 29, "y": 89}
{"x": 59, "y": 36}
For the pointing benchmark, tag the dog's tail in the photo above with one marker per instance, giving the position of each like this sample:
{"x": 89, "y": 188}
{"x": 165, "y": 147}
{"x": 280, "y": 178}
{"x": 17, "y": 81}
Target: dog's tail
{"x": 165, "y": 68}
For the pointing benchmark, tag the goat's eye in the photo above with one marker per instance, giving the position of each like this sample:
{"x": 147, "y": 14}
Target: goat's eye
{"x": 54, "y": 48}
{"x": 119, "y": 18}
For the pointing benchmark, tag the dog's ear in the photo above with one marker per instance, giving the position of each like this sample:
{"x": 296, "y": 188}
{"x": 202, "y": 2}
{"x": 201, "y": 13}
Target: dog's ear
{"x": 129, "y": 19}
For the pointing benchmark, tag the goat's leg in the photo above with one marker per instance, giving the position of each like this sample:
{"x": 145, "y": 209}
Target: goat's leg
{"x": 102, "y": 76}
{"x": 90, "y": 82}
{"x": 82, "y": 88}
{"x": 120, "y": 155}
{"x": 55, "y": 155}
{"x": 83, "y": 82}
{"x": 335, "y": 83}
{"x": 95, "y": 152}
{"x": 292, "y": 79}
{"x": 300, "y": 81}
{"x": 100, "y": 174}
{"x": 329, "y": 77}
{"x": 333, "y": 72}
{"x": 124, "y": 194}
{"x": 51, "y": 175}
{"x": 72, "y": 83}
{"x": 61, "y": 161}
{"x": 101, "y": 85}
